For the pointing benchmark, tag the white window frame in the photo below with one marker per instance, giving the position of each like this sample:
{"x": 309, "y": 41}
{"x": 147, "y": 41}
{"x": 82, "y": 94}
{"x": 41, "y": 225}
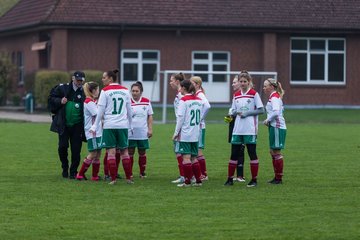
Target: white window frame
{"x": 210, "y": 62}
{"x": 326, "y": 53}
{"x": 139, "y": 61}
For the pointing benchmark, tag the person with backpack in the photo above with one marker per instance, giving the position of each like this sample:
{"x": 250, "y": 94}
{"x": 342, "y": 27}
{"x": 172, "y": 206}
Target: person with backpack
{"x": 66, "y": 102}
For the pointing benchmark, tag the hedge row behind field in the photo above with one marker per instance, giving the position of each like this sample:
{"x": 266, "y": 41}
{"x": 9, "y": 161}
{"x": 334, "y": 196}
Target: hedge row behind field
{"x": 46, "y": 80}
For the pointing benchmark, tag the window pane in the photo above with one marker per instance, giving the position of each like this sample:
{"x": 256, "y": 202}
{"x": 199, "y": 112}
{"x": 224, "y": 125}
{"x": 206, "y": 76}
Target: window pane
{"x": 317, "y": 63}
{"x": 298, "y": 67}
{"x": 336, "y": 45}
{"x": 299, "y": 44}
{"x": 220, "y": 56}
{"x": 149, "y": 72}
{"x": 317, "y": 44}
{"x": 201, "y": 67}
{"x": 150, "y": 55}
{"x": 336, "y": 68}
{"x": 130, "y": 72}
{"x": 201, "y": 56}
{"x": 130, "y": 55}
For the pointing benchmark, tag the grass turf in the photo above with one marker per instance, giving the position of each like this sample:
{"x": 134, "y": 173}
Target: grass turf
{"x": 318, "y": 199}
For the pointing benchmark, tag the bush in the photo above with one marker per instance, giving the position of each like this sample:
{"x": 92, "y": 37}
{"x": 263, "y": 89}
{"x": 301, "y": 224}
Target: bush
{"x": 45, "y": 81}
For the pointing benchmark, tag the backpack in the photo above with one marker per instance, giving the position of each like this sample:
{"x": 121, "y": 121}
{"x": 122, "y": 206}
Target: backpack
{"x": 52, "y": 108}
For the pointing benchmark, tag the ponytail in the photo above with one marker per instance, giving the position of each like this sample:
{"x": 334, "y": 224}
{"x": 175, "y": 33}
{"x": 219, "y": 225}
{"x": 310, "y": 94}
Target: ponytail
{"x": 277, "y": 85}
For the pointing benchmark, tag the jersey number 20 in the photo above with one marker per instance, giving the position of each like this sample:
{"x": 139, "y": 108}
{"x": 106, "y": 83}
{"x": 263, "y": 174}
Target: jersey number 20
{"x": 195, "y": 117}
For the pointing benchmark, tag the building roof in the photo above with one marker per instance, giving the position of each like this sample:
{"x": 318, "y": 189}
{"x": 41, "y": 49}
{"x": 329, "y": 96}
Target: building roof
{"x": 242, "y": 14}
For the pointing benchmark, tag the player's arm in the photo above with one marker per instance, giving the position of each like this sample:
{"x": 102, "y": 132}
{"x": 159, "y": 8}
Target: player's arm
{"x": 100, "y": 112}
{"x": 255, "y": 112}
{"x": 180, "y": 119}
{"x": 149, "y": 123}
{"x": 275, "y": 104}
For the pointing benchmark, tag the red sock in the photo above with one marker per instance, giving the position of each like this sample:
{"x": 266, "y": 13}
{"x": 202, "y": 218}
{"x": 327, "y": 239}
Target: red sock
{"x": 142, "y": 163}
{"x": 202, "y": 163}
{"x": 188, "y": 172}
{"x": 106, "y": 166}
{"x": 180, "y": 164}
{"x": 231, "y": 168}
{"x": 118, "y": 157}
{"x": 197, "y": 172}
{"x": 132, "y": 160}
{"x": 84, "y": 167}
{"x": 278, "y": 164}
{"x": 95, "y": 167}
{"x": 127, "y": 167}
{"x": 112, "y": 166}
{"x": 254, "y": 167}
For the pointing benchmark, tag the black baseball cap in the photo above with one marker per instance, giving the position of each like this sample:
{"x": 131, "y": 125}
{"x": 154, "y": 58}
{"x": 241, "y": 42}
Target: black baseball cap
{"x": 78, "y": 75}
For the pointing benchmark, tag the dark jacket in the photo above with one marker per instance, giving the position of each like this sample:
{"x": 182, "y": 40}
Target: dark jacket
{"x": 63, "y": 90}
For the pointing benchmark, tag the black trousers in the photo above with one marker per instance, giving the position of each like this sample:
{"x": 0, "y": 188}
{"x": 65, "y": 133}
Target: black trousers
{"x": 72, "y": 135}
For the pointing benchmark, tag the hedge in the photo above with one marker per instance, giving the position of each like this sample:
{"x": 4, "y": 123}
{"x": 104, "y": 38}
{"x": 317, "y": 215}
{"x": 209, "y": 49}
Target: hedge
{"x": 45, "y": 80}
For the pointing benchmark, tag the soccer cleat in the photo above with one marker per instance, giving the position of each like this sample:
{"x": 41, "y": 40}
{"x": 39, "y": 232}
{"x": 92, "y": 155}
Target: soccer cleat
{"x": 239, "y": 179}
{"x": 184, "y": 185}
{"x": 197, "y": 184}
{"x": 112, "y": 182}
{"x": 107, "y": 178}
{"x": 193, "y": 179}
{"x": 252, "y": 183}
{"x": 179, "y": 180}
{"x": 97, "y": 178}
{"x": 204, "y": 178}
{"x": 118, "y": 176}
{"x": 229, "y": 182}
{"x": 142, "y": 175}
{"x": 129, "y": 181}
{"x": 275, "y": 181}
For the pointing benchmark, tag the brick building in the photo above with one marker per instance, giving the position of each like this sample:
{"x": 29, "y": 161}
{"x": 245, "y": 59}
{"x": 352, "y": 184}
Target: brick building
{"x": 314, "y": 46}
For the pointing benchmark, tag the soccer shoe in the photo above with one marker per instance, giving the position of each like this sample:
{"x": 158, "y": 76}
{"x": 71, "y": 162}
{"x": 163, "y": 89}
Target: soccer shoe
{"x": 193, "y": 179}
{"x": 129, "y": 181}
{"x": 275, "y": 181}
{"x": 239, "y": 179}
{"x": 118, "y": 176}
{"x": 197, "y": 184}
{"x": 179, "y": 180}
{"x": 204, "y": 178}
{"x": 252, "y": 183}
{"x": 112, "y": 182}
{"x": 184, "y": 185}
{"x": 142, "y": 175}
{"x": 107, "y": 178}
{"x": 229, "y": 182}
{"x": 97, "y": 178}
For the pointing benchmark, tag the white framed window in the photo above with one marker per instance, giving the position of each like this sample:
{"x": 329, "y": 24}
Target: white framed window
{"x": 140, "y": 65}
{"x": 211, "y": 61}
{"x": 318, "y": 61}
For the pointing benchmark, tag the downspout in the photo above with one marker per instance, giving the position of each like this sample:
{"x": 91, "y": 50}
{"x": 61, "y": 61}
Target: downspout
{"x": 119, "y": 50}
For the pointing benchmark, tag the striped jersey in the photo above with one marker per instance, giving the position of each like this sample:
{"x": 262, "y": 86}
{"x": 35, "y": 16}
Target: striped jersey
{"x": 176, "y": 102}
{"x": 90, "y": 112}
{"x": 275, "y": 111}
{"x": 243, "y": 102}
{"x": 206, "y": 107}
{"x": 188, "y": 120}
{"x": 141, "y": 110}
{"x": 116, "y": 100}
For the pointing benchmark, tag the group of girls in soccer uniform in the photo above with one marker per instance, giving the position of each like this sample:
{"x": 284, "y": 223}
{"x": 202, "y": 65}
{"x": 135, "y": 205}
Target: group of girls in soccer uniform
{"x": 246, "y": 106}
{"x": 110, "y": 124}
{"x": 121, "y": 121}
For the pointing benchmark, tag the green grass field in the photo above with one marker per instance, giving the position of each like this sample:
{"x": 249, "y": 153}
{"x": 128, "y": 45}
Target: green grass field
{"x": 318, "y": 200}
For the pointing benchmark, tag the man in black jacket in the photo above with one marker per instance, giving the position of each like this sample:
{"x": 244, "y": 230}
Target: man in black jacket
{"x": 68, "y": 122}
